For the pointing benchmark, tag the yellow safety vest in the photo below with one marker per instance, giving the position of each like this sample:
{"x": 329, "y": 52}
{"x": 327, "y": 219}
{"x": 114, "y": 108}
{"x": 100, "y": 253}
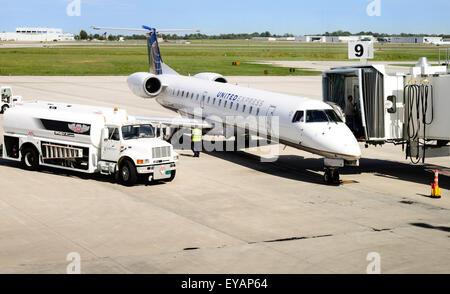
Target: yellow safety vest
{"x": 196, "y": 135}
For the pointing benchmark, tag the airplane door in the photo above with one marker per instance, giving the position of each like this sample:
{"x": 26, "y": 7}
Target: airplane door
{"x": 111, "y": 145}
{"x": 269, "y": 118}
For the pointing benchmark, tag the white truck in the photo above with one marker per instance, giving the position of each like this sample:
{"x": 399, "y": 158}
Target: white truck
{"x": 87, "y": 139}
{"x": 7, "y": 99}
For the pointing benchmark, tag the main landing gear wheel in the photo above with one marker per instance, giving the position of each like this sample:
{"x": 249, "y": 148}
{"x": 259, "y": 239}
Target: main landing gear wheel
{"x": 331, "y": 176}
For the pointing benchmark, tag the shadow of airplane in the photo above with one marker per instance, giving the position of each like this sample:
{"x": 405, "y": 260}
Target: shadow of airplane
{"x": 311, "y": 169}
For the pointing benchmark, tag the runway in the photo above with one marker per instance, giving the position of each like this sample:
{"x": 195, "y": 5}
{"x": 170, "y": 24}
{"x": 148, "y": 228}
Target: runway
{"x": 225, "y": 212}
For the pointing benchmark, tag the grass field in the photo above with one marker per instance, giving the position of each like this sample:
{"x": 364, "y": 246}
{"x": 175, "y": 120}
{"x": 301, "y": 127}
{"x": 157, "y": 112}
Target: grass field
{"x": 200, "y": 56}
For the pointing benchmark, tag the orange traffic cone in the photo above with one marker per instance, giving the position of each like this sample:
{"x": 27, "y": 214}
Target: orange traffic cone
{"x": 435, "y": 189}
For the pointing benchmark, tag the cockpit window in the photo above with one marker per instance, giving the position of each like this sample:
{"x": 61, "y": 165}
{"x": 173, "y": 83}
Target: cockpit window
{"x": 298, "y": 117}
{"x": 333, "y": 115}
{"x": 326, "y": 115}
{"x": 314, "y": 116}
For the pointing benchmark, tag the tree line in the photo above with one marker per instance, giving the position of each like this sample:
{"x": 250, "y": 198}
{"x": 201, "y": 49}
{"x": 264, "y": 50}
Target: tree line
{"x": 83, "y": 35}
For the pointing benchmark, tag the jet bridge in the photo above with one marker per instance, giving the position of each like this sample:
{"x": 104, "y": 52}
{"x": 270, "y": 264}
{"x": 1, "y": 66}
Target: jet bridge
{"x": 410, "y": 109}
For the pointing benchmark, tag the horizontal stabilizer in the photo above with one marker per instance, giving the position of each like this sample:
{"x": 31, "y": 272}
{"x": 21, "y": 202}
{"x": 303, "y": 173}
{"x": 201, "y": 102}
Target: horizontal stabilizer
{"x": 160, "y": 31}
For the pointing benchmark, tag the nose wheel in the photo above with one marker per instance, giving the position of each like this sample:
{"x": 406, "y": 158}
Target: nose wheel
{"x": 331, "y": 176}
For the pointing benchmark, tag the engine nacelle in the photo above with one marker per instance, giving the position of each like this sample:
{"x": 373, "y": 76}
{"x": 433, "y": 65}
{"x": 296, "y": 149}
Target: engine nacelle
{"x": 211, "y": 76}
{"x": 145, "y": 85}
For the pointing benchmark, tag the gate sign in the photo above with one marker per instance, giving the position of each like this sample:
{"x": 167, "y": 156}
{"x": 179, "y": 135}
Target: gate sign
{"x": 360, "y": 50}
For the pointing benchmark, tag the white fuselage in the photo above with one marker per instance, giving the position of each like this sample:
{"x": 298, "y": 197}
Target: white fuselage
{"x": 217, "y": 101}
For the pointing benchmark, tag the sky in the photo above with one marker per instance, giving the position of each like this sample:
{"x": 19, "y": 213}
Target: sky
{"x": 298, "y": 17}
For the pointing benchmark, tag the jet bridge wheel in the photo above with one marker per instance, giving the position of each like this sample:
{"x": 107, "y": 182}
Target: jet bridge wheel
{"x": 331, "y": 176}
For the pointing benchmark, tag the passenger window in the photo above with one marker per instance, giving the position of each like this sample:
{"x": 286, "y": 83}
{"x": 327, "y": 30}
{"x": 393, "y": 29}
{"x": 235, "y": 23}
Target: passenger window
{"x": 257, "y": 111}
{"x": 114, "y": 134}
{"x": 178, "y": 93}
{"x": 298, "y": 116}
{"x": 243, "y": 108}
{"x": 220, "y": 102}
{"x": 192, "y": 95}
{"x": 237, "y": 106}
{"x": 225, "y": 104}
{"x": 198, "y": 95}
{"x": 182, "y": 94}
{"x": 214, "y": 101}
{"x": 187, "y": 95}
{"x": 209, "y": 99}
{"x": 231, "y": 105}
{"x": 251, "y": 109}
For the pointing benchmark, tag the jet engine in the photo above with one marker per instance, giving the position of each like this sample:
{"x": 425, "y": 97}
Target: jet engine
{"x": 145, "y": 85}
{"x": 211, "y": 76}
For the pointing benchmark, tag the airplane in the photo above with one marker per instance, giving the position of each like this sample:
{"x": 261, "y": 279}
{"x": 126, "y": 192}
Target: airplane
{"x": 304, "y": 123}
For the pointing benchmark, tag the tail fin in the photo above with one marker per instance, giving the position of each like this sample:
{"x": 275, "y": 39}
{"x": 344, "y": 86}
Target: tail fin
{"x": 154, "y": 55}
{"x": 157, "y": 66}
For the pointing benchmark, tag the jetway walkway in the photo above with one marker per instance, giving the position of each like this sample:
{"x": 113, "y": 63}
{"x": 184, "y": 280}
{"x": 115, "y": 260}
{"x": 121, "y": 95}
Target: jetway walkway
{"x": 412, "y": 109}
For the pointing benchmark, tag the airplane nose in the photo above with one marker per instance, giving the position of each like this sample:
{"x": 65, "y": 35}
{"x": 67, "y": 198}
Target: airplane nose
{"x": 349, "y": 144}
{"x": 342, "y": 141}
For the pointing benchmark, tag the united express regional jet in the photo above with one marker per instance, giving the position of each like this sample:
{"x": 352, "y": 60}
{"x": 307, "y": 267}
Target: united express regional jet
{"x": 304, "y": 123}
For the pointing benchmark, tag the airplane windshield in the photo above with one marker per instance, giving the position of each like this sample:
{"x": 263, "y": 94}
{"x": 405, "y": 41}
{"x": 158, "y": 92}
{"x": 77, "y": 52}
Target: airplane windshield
{"x": 137, "y": 132}
{"x": 314, "y": 116}
{"x": 332, "y": 115}
{"x": 327, "y": 115}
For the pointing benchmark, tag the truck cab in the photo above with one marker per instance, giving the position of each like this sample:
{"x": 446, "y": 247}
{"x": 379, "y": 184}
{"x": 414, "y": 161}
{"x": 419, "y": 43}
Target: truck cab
{"x": 7, "y": 98}
{"x": 132, "y": 150}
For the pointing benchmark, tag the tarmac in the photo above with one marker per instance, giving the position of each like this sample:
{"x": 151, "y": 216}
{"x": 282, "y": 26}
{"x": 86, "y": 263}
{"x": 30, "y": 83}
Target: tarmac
{"x": 225, "y": 212}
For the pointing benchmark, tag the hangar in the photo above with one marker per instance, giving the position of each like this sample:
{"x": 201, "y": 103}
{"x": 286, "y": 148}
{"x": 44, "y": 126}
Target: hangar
{"x": 37, "y": 35}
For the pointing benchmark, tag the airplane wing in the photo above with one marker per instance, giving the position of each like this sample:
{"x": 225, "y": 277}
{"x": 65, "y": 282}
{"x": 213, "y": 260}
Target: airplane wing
{"x": 177, "y": 122}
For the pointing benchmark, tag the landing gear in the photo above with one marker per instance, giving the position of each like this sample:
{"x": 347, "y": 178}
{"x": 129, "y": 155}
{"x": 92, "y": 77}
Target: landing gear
{"x": 331, "y": 176}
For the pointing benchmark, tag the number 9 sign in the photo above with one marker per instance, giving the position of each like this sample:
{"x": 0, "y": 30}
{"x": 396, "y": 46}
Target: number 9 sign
{"x": 360, "y": 50}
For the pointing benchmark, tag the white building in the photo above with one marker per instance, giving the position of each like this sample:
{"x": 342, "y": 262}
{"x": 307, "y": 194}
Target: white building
{"x": 37, "y": 35}
{"x": 414, "y": 40}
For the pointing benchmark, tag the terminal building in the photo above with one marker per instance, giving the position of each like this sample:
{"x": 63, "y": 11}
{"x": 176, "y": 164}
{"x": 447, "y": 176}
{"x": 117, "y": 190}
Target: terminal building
{"x": 37, "y": 35}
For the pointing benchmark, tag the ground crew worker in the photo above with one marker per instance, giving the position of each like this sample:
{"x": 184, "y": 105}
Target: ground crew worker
{"x": 196, "y": 141}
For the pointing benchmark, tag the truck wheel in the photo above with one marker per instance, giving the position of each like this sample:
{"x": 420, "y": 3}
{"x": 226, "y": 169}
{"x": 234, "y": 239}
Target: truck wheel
{"x": 30, "y": 159}
{"x": 172, "y": 176}
{"x": 4, "y": 108}
{"x": 128, "y": 175}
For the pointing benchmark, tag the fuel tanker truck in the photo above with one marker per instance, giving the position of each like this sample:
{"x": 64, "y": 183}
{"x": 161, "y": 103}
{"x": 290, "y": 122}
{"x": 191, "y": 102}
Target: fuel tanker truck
{"x": 86, "y": 139}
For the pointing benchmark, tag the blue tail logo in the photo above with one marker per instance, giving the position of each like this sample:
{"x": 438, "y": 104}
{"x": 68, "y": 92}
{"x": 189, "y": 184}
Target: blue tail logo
{"x": 154, "y": 55}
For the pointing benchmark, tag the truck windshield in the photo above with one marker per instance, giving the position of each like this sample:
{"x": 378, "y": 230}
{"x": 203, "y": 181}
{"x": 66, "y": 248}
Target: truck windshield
{"x": 137, "y": 132}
